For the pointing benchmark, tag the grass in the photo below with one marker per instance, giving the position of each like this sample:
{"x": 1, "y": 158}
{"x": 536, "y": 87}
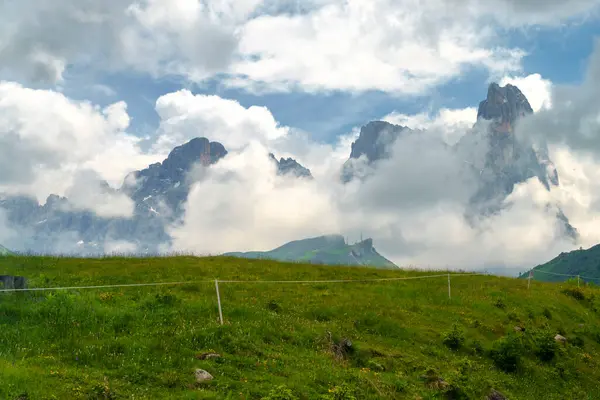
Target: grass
{"x": 407, "y": 339}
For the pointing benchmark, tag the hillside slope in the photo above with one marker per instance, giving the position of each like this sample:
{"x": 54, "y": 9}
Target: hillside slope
{"x": 330, "y": 249}
{"x": 146, "y": 342}
{"x": 581, "y": 262}
{"x": 4, "y": 251}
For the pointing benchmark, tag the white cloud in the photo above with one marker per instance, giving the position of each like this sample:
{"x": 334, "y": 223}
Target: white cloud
{"x": 451, "y": 124}
{"x": 356, "y": 45}
{"x": 196, "y": 39}
{"x": 250, "y": 207}
{"x": 401, "y": 46}
{"x": 537, "y": 89}
{"x": 46, "y": 138}
{"x": 87, "y": 192}
{"x": 185, "y": 116}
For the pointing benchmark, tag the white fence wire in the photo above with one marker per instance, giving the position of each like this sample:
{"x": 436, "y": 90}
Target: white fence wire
{"x": 226, "y": 281}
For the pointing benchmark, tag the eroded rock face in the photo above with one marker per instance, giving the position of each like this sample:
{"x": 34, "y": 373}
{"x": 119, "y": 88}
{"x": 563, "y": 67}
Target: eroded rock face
{"x": 289, "y": 166}
{"x": 374, "y": 144}
{"x": 500, "y": 159}
{"x": 504, "y": 105}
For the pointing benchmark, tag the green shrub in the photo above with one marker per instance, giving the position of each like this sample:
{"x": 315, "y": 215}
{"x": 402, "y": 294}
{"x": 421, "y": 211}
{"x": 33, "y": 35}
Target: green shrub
{"x": 575, "y": 293}
{"x": 577, "y": 341}
{"x": 546, "y": 313}
{"x": 506, "y": 353}
{"x": 401, "y": 385}
{"x": 499, "y": 303}
{"x": 454, "y": 338}
{"x": 476, "y": 347}
{"x": 281, "y": 392}
{"x": 273, "y": 306}
{"x": 341, "y": 392}
{"x": 545, "y": 345}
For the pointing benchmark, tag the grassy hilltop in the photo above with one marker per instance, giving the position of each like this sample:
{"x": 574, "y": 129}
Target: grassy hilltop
{"x": 408, "y": 340}
{"x": 577, "y": 262}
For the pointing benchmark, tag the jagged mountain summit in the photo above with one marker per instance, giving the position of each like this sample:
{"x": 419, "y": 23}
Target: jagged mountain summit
{"x": 328, "y": 249}
{"x": 501, "y": 159}
{"x": 373, "y": 144}
{"x": 159, "y": 193}
{"x": 494, "y": 156}
{"x": 289, "y": 166}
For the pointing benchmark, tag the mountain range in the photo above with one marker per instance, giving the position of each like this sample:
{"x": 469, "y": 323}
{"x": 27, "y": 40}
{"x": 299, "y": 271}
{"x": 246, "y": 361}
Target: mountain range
{"x": 493, "y": 155}
{"x": 328, "y": 249}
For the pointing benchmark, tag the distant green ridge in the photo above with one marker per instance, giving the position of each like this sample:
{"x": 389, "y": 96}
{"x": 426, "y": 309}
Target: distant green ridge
{"x": 585, "y": 263}
{"x": 328, "y": 249}
{"x": 4, "y": 251}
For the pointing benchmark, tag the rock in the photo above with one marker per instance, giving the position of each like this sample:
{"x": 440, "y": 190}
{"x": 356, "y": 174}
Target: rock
{"x": 375, "y": 143}
{"x": 495, "y": 395}
{"x": 207, "y": 356}
{"x": 289, "y": 166}
{"x": 203, "y": 376}
{"x": 560, "y": 338}
{"x": 519, "y": 329}
{"x": 505, "y": 105}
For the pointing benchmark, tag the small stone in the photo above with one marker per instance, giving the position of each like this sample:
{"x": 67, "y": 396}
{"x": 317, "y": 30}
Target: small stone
{"x": 518, "y": 329}
{"x": 560, "y": 338}
{"x": 207, "y": 356}
{"x": 203, "y": 376}
{"x": 495, "y": 395}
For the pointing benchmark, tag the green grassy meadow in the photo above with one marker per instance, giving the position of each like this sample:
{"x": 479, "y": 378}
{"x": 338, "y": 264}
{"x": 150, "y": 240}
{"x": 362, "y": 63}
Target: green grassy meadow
{"x": 282, "y": 341}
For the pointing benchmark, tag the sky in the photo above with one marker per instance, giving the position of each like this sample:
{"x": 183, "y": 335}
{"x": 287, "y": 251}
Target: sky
{"x": 91, "y": 90}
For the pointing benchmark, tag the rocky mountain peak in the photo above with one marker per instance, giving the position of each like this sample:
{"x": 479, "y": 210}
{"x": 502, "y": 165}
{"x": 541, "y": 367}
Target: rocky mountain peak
{"x": 374, "y": 142}
{"x": 196, "y": 150}
{"x": 504, "y": 105}
{"x": 289, "y": 166}
{"x": 375, "y": 139}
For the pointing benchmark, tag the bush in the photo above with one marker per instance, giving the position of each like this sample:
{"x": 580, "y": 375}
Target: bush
{"x": 506, "y": 353}
{"x": 401, "y": 385}
{"x": 454, "y": 338}
{"x": 476, "y": 347}
{"x": 545, "y": 346}
{"x": 342, "y": 392}
{"x": 499, "y": 303}
{"x": 273, "y": 306}
{"x": 575, "y": 293}
{"x": 577, "y": 341}
{"x": 547, "y": 313}
{"x": 281, "y": 392}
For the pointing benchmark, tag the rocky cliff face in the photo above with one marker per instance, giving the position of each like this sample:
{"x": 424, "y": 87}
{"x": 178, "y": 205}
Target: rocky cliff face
{"x": 500, "y": 159}
{"x": 289, "y": 166}
{"x": 493, "y": 154}
{"x": 374, "y": 143}
{"x": 159, "y": 193}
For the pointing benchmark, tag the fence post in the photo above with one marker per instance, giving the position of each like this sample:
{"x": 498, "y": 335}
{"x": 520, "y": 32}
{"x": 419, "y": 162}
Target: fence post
{"x": 449, "y": 296}
{"x": 529, "y": 279}
{"x": 219, "y": 301}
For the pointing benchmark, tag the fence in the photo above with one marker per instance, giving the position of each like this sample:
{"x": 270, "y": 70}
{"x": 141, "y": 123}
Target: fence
{"x": 217, "y": 282}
